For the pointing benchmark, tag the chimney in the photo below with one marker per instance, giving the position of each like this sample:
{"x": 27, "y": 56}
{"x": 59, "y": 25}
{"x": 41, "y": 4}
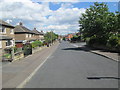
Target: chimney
{"x": 21, "y": 23}
{"x": 34, "y": 28}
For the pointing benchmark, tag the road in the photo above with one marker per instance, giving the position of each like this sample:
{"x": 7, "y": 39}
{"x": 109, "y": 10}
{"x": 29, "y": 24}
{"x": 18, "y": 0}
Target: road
{"x": 69, "y": 67}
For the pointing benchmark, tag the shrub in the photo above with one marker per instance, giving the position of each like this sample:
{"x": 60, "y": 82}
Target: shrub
{"x": 36, "y": 44}
{"x": 114, "y": 41}
{"x": 96, "y": 40}
{"x": 7, "y": 55}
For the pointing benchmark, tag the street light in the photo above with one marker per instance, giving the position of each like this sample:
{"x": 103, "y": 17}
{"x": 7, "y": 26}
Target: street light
{"x": 51, "y": 37}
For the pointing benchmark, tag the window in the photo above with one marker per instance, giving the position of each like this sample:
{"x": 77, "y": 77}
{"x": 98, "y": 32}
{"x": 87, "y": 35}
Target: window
{"x": 0, "y": 44}
{"x": 11, "y": 31}
{"x": 3, "y": 30}
{"x": 8, "y": 43}
{"x": 26, "y": 35}
{"x": 12, "y": 42}
{"x": 29, "y": 35}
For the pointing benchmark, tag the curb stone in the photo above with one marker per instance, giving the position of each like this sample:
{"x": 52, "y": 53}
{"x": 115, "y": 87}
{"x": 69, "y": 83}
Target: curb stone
{"x": 104, "y": 56}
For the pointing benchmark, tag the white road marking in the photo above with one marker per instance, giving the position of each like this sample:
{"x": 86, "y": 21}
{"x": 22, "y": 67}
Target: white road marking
{"x": 33, "y": 73}
{"x": 74, "y": 45}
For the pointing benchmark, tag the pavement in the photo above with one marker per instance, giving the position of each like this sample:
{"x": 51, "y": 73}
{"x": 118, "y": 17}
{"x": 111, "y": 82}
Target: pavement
{"x": 72, "y": 67}
{"x": 111, "y": 55}
{"x": 16, "y": 73}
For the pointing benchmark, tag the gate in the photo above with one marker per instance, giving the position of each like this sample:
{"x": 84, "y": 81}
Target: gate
{"x": 27, "y": 48}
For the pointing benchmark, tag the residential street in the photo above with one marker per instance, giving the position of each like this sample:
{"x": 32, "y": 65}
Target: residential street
{"x": 69, "y": 67}
{"x": 14, "y": 73}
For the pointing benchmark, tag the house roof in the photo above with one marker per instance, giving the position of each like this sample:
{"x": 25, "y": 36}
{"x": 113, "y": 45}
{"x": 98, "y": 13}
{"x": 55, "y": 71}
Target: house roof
{"x": 37, "y": 32}
{"x": 3, "y": 23}
{"x": 42, "y": 33}
{"x": 22, "y": 29}
{"x": 5, "y": 38}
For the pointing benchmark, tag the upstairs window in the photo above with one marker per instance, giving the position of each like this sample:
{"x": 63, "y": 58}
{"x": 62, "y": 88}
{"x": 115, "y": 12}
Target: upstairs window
{"x": 11, "y": 31}
{"x": 2, "y": 30}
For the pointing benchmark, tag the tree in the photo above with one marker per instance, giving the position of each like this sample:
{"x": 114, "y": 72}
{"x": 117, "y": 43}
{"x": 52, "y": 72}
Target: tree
{"x": 101, "y": 27}
{"x": 50, "y": 37}
{"x": 98, "y": 22}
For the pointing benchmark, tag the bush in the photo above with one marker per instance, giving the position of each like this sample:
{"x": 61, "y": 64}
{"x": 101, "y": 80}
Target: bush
{"x": 114, "y": 41}
{"x": 36, "y": 44}
{"x": 7, "y": 55}
{"x": 100, "y": 40}
{"x": 76, "y": 38}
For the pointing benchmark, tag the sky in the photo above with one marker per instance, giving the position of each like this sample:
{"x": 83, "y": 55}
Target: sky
{"x": 59, "y": 16}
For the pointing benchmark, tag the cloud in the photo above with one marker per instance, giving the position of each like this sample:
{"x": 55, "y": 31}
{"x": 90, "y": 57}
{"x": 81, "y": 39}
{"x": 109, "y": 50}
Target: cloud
{"x": 75, "y": 1}
{"x": 9, "y": 21}
{"x": 39, "y": 15}
{"x": 56, "y": 0}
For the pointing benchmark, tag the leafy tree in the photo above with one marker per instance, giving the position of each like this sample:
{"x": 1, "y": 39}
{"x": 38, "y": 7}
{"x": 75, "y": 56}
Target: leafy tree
{"x": 99, "y": 26}
{"x": 50, "y": 37}
{"x": 97, "y": 21}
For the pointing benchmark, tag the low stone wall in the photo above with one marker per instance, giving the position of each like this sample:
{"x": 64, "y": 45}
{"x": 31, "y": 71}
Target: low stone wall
{"x": 18, "y": 55}
{"x": 34, "y": 50}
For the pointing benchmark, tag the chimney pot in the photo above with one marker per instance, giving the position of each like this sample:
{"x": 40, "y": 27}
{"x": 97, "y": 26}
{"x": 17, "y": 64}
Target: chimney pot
{"x": 21, "y": 23}
{"x": 34, "y": 28}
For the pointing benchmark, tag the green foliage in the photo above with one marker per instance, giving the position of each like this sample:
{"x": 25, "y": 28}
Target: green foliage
{"x": 15, "y": 49}
{"x": 7, "y": 55}
{"x": 64, "y": 38}
{"x": 36, "y": 44}
{"x": 98, "y": 21}
{"x": 114, "y": 41}
{"x": 100, "y": 26}
{"x": 50, "y": 37}
{"x": 76, "y": 38}
{"x": 100, "y": 41}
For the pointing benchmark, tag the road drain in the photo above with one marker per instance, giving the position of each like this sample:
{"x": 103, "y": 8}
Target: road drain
{"x": 103, "y": 78}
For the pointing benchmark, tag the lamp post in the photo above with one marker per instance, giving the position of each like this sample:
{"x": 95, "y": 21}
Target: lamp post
{"x": 51, "y": 37}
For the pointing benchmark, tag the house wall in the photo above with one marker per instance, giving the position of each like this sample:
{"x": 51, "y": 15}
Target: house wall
{"x": 41, "y": 37}
{"x": 20, "y": 36}
{"x": 3, "y": 42}
{"x": 25, "y": 36}
{"x": 8, "y": 32}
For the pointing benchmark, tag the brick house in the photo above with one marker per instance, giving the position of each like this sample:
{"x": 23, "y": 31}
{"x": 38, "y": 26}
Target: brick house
{"x": 23, "y": 35}
{"x": 6, "y": 35}
{"x": 38, "y": 35}
{"x": 69, "y": 36}
{"x": 7, "y": 40}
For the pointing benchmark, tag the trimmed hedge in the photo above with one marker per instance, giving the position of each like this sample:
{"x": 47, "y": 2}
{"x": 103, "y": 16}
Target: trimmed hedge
{"x": 36, "y": 44}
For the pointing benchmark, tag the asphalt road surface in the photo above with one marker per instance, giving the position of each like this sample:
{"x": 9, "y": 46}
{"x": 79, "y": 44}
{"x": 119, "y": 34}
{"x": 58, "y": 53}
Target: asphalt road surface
{"x": 70, "y": 67}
